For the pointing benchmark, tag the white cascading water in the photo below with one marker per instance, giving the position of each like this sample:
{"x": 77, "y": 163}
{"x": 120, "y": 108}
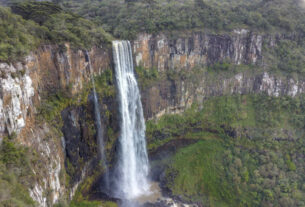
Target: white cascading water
{"x": 132, "y": 166}
{"x": 99, "y": 129}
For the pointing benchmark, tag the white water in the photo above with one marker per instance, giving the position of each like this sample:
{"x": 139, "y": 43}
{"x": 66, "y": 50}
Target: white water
{"x": 132, "y": 166}
{"x": 99, "y": 129}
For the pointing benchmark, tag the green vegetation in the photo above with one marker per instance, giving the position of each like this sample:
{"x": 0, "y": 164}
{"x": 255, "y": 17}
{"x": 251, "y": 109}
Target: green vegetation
{"x": 53, "y": 104}
{"x": 288, "y": 56}
{"x": 86, "y": 204}
{"x": 104, "y": 84}
{"x": 198, "y": 170}
{"x": 249, "y": 152}
{"x": 125, "y": 19}
{"x": 93, "y": 204}
{"x": 17, "y": 36}
{"x": 44, "y": 23}
{"x": 81, "y": 199}
{"x": 15, "y": 174}
{"x": 109, "y": 204}
{"x": 105, "y": 89}
{"x": 146, "y": 76}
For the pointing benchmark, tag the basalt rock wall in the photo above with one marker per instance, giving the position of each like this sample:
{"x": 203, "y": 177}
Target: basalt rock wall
{"x": 24, "y": 86}
{"x": 189, "y": 52}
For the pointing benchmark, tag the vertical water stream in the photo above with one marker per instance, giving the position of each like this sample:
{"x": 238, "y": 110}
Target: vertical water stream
{"x": 132, "y": 166}
{"x": 99, "y": 129}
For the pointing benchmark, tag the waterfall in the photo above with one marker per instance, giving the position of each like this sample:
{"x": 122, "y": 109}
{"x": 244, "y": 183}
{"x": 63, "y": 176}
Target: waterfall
{"x": 132, "y": 165}
{"x": 99, "y": 129}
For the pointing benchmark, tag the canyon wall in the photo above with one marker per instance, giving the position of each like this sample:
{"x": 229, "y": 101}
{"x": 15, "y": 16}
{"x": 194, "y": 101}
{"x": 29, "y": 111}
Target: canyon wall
{"x": 169, "y": 96}
{"x": 186, "y": 54}
{"x": 187, "y": 51}
{"x": 48, "y": 70}
{"x": 24, "y": 86}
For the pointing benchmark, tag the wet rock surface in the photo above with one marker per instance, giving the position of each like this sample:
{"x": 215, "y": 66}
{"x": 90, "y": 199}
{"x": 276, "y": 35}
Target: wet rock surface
{"x": 80, "y": 145}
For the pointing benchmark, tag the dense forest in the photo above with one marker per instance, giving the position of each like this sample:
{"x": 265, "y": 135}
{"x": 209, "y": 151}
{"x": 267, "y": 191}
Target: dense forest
{"x": 127, "y": 19}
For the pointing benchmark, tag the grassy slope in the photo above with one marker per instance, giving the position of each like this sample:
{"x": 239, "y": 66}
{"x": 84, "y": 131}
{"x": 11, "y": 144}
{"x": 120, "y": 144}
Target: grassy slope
{"x": 250, "y": 153}
{"x": 199, "y": 171}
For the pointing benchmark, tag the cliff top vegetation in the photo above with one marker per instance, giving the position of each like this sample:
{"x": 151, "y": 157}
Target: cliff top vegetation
{"x": 125, "y": 19}
{"x": 30, "y": 24}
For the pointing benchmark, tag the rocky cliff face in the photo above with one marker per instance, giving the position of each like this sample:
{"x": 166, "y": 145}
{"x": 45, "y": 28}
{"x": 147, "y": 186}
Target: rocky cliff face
{"x": 187, "y": 51}
{"x": 46, "y": 71}
{"x": 24, "y": 85}
{"x": 184, "y": 52}
{"x": 169, "y": 96}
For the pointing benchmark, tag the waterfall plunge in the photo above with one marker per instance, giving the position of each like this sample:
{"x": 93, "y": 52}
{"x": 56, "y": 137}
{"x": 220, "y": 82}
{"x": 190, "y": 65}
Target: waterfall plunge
{"x": 132, "y": 166}
{"x": 99, "y": 129}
